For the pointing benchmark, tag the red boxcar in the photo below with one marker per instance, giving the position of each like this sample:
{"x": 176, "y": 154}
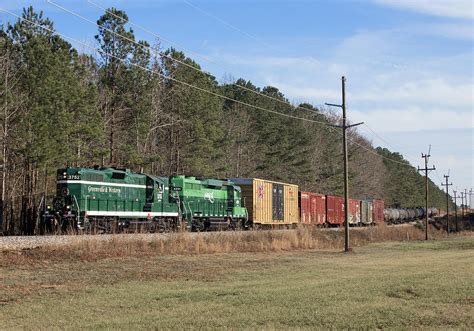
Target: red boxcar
{"x": 377, "y": 211}
{"x": 334, "y": 210}
{"x": 312, "y": 208}
{"x": 354, "y": 211}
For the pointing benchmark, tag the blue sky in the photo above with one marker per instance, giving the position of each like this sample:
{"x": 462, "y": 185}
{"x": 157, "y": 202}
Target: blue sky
{"x": 408, "y": 63}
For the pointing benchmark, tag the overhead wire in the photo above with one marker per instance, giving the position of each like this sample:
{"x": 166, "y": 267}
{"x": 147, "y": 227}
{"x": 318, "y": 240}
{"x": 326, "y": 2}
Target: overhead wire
{"x": 169, "y": 56}
{"x": 165, "y": 76}
{"x": 271, "y": 47}
{"x": 233, "y": 27}
{"x": 331, "y": 127}
{"x": 369, "y": 129}
{"x": 192, "y": 67}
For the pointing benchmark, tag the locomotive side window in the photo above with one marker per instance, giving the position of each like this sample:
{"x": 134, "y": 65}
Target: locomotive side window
{"x": 118, "y": 175}
{"x": 94, "y": 177}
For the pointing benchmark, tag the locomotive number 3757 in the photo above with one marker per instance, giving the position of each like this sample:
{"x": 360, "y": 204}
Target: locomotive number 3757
{"x": 69, "y": 177}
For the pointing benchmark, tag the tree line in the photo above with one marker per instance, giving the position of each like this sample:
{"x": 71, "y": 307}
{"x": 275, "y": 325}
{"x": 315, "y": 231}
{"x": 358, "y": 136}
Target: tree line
{"x": 125, "y": 106}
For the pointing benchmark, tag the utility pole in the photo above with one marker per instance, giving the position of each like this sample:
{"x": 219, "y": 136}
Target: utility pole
{"x": 467, "y": 209}
{"x": 470, "y": 196}
{"x": 462, "y": 208}
{"x": 426, "y": 170}
{"x": 465, "y": 196}
{"x": 447, "y": 202}
{"x": 344, "y": 127}
{"x": 456, "y": 210}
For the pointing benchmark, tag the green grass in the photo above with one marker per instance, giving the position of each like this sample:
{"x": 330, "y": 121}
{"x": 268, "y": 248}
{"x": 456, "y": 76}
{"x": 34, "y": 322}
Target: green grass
{"x": 385, "y": 285}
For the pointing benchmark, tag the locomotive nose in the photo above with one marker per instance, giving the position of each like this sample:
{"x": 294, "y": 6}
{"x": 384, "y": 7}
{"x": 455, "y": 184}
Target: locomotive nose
{"x": 58, "y": 204}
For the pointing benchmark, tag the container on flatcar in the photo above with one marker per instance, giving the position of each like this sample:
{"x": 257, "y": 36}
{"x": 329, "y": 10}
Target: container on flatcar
{"x": 269, "y": 202}
{"x": 334, "y": 210}
{"x": 366, "y": 212}
{"x": 354, "y": 211}
{"x": 312, "y": 208}
{"x": 377, "y": 211}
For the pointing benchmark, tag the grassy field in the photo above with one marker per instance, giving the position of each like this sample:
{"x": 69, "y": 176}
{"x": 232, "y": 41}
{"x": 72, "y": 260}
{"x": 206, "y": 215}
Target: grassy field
{"x": 411, "y": 284}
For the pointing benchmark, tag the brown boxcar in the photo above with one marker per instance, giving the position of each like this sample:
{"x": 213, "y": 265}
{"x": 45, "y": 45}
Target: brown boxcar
{"x": 312, "y": 208}
{"x": 334, "y": 210}
{"x": 269, "y": 202}
{"x": 377, "y": 210}
{"x": 354, "y": 211}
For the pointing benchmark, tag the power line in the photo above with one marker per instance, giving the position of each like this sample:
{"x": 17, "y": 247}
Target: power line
{"x": 233, "y": 27}
{"x": 163, "y": 54}
{"x": 271, "y": 47}
{"x": 167, "y": 77}
{"x": 385, "y": 141}
{"x": 197, "y": 69}
{"x": 207, "y": 91}
{"x": 151, "y": 32}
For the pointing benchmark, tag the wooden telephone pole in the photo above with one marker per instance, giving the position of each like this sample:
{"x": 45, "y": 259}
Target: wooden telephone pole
{"x": 447, "y": 201}
{"x": 344, "y": 127}
{"x": 426, "y": 170}
{"x": 456, "y": 210}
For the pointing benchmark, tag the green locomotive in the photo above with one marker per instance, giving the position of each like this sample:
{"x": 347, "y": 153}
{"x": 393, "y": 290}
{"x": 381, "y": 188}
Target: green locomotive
{"x": 113, "y": 199}
{"x": 207, "y": 203}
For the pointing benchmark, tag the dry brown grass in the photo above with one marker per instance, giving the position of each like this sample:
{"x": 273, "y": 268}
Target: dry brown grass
{"x": 97, "y": 248}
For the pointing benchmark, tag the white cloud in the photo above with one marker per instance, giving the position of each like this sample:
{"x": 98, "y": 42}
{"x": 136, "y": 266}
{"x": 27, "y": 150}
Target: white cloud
{"x": 413, "y": 118}
{"x": 445, "y": 8}
{"x": 429, "y": 92}
{"x": 450, "y": 150}
{"x": 308, "y": 93}
{"x": 447, "y": 30}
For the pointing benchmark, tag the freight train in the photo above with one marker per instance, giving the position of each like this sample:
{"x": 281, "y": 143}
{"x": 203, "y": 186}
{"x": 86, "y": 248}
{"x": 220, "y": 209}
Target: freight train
{"x": 116, "y": 200}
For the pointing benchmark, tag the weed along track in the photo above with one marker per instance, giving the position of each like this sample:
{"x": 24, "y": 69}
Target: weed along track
{"x": 212, "y": 242}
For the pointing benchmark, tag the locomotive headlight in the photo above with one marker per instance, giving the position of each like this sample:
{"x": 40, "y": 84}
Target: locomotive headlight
{"x": 68, "y": 207}
{"x": 48, "y": 207}
{"x": 64, "y": 175}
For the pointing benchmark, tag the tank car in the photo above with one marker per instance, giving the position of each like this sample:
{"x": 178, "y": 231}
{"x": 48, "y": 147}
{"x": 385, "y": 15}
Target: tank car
{"x": 411, "y": 214}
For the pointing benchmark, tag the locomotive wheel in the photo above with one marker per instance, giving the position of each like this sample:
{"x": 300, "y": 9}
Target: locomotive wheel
{"x": 197, "y": 225}
{"x": 113, "y": 226}
{"x": 163, "y": 225}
